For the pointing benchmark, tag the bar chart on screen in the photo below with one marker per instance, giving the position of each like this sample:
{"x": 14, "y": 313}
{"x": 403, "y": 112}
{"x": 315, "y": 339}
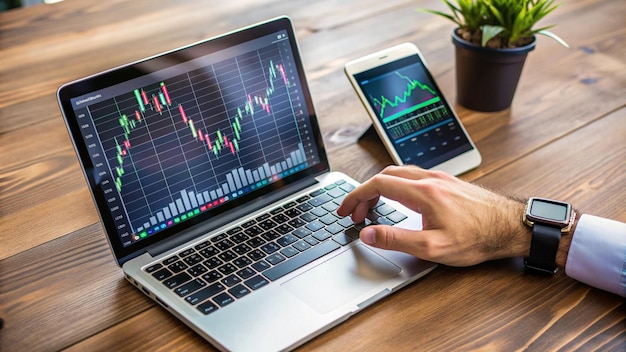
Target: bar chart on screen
{"x": 189, "y": 143}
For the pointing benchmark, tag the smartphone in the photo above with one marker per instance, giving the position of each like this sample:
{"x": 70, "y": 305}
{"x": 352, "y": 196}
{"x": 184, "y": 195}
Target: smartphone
{"x": 410, "y": 114}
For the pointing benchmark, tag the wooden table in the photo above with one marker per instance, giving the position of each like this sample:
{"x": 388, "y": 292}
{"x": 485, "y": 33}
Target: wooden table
{"x": 564, "y": 137}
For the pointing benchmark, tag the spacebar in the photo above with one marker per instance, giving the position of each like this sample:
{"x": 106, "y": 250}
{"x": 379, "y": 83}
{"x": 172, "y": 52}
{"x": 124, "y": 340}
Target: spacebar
{"x": 300, "y": 260}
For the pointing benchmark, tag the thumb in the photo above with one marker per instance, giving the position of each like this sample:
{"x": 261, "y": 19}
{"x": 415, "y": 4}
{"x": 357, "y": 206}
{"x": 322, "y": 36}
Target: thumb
{"x": 388, "y": 237}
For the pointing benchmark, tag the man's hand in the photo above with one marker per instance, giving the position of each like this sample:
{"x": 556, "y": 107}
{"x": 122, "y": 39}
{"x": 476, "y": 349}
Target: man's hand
{"x": 463, "y": 224}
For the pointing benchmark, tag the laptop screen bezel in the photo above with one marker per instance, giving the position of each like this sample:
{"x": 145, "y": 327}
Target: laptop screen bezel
{"x": 159, "y": 62}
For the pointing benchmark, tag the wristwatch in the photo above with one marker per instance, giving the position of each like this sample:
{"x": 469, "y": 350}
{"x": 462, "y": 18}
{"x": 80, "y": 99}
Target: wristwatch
{"x": 549, "y": 219}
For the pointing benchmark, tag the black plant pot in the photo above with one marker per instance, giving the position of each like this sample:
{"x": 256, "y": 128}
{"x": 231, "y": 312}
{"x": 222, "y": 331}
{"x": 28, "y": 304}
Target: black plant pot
{"x": 486, "y": 78}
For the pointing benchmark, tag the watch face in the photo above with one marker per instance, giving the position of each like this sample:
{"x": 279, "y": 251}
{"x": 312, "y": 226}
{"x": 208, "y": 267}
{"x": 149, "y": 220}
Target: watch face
{"x": 548, "y": 211}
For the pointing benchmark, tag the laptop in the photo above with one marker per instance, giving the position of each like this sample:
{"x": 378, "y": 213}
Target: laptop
{"x": 208, "y": 170}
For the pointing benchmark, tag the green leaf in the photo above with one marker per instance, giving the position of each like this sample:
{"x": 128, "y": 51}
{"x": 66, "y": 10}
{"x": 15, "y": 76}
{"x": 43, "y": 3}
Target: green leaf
{"x": 490, "y": 32}
{"x": 553, "y": 36}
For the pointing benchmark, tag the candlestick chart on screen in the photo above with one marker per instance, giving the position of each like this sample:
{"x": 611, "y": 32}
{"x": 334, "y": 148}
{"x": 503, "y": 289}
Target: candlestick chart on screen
{"x": 215, "y": 130}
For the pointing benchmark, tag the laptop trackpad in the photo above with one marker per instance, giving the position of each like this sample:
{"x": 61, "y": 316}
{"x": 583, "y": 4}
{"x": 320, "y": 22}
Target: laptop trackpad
{"x": 341, "y": 279}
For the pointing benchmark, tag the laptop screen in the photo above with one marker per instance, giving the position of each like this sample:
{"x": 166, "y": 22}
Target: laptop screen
{"x": 179, "y": 138}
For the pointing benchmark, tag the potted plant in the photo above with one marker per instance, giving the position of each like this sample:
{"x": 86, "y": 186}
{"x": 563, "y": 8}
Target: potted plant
{"x": 492, "y": 41}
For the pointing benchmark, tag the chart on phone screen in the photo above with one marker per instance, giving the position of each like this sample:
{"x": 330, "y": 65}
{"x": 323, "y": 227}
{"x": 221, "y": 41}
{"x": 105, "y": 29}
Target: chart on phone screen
{"x": 406, "y": 103}
{"x": 197, "y": 140}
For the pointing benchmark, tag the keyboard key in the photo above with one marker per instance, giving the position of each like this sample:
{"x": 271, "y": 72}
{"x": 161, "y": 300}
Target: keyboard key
{"x": 289, "y": 205}
{"x": 212, "y": 263}
{"x": 270, "y": 247}
{"x": 242, "y": 262}
{"x": 328, "y": 219}
{"x": 319, "y": 212}
{"x": 287, "y": 240}
{"x": 385, "y": 209}
{"x": 342, "y": 239}
{"x": 231, "y": 280}
{"x": 301, "y": 232}
{"x": 224, "y": 244}
{"x": 297, "y": 222}
{"x": 254, "y": 231}
{"x": 202, "y": 245}
{"x": 177, "y": 280}
{"x": 346, "y": 222}
{"x": 197, "y": 270}
{"x": 317, "y": 193}
{"x": 255, "y": 242}
{"x": 280, "y": 218}
{"x": 246, "y": 273}
{"x": 239, "y": 291}
{"x": 170, "y": 260}
{"x": 162, "y": 274}
{"x": 347, "y": 187}
{"x": 336, "y": 192}
{"x": 262, "y": 217}
{"x": 321, "y": 235}
{"x": 267, "y": 224}
{"x": 205, "y": 293}
{"x": 248, "y": 223}
{"x": 242, "y": 249}
{"x": 276, "y": 210}
{"x": 256, "y": 282}
{"x": 274, "y": 258}
{"x": 190, "y": 287}
{"x": 234, "y": 230}
{"x": 330, "y": 206}
{"x": 209, "y": 251}
{"x": 315, "y": 225}
{"x": 352, "y": 232}
{"x": 396, "y": 217}
{"x": 384, "y": 221}
{"x": 239, "y": 237}
{"x": 302, "y": 245}
{"x": 283, "y": 229}
{"x": 193, "y": 259}
{"x": 304, "y": 207}
{"x": 223, "y": 299}
{"x": 153, "y": 268}
{"x": 303, "y": 199}
{"x": 293, "y": 212}
{"x": 270, "y": 235}
{"x": 300, "y": 260}
{"x": 256, "y": 255}
{"x": 334, "y": 228}
{"x": 177, "y": 267}
{"x": 289, "y": 252}
{"x": 207, "y": 307}
{"x": 319, "y": 200}
{"x": 310, "y": 240}
{"x": 219, "y": 237}
{"x": 227, "y": 269}
{"x": 308, "y": 217}
{"x": 227, "y": 256}
{"x": 261, "y": 265}
{"x": 212, "y": 276}
{"x": 186, "y": 252}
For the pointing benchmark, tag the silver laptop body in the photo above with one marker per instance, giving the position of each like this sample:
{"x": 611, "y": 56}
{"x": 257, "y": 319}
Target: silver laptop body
{"x": 208, "y": 170}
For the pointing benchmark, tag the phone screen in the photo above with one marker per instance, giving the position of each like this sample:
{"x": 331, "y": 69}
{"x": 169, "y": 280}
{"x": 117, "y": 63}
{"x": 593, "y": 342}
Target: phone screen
{"x": 414, "y": 114}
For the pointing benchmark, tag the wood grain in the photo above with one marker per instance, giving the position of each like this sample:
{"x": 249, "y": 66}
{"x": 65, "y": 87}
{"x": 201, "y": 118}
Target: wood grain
{"x": 563, "y": 137}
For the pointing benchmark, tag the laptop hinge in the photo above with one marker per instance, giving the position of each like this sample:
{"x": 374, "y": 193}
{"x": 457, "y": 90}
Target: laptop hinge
{"x": 226, "y": 218}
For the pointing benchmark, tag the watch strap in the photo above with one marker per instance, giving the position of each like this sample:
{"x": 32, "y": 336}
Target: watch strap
{"x": 543, "y": 247}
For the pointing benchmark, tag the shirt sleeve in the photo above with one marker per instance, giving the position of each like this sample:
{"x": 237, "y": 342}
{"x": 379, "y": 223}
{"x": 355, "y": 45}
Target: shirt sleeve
{"x": 597, "y": 255}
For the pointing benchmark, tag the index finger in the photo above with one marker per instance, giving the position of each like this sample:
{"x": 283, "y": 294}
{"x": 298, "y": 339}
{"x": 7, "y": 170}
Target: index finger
{"x": 398, "y": 188}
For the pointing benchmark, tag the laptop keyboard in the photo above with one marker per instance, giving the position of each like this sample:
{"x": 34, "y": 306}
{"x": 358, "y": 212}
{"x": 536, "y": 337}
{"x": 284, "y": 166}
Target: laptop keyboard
{"x": 245, "y": 258}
